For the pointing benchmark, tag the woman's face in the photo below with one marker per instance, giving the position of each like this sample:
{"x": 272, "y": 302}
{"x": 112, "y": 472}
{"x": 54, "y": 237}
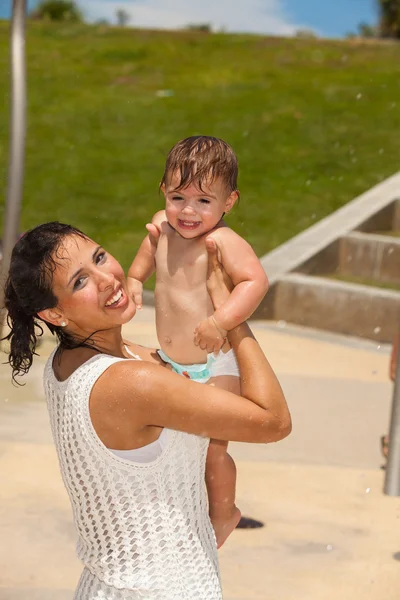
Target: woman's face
{"x": 90, "y": 287}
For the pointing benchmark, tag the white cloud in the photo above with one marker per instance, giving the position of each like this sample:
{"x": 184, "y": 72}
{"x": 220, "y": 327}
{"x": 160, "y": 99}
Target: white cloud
{"x": 256, "y": 16}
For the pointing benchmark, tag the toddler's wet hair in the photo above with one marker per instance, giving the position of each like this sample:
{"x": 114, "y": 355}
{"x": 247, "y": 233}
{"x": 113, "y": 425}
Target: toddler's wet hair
{"x": 199, "y": 160}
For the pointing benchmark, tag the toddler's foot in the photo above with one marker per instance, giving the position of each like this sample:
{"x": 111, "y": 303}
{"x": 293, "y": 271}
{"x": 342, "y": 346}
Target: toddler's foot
{"x": 225, "y": 524}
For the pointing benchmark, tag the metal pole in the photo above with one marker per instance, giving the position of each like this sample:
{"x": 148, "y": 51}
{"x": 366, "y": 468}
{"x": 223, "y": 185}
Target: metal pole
{"x": 392, "y": 477}
{"x": 17, "y": 143}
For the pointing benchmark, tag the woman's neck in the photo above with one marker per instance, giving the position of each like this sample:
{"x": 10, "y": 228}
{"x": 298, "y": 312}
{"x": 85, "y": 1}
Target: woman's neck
{"x": 107, "y": 341}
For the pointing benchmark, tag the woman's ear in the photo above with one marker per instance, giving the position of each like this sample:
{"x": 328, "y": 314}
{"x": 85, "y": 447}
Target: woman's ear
{"x": 53, "y": 316}
{"x": 231, "y": 201}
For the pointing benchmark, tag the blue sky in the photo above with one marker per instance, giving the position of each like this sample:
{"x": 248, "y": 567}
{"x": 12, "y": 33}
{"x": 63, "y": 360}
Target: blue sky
{"x": 329, "y": 18}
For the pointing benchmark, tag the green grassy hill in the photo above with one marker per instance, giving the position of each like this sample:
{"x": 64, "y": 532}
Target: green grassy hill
{"x": 314, "y": 123}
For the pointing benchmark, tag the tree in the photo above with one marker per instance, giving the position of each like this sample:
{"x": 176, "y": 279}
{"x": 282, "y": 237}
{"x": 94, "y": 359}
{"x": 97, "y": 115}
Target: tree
{"x": 367, "y": 31}
{"x": 389, "y": 22}
{"x": 123, "y": 17}
{"x": 306, "y": 34}
{"x": 58, "y": 10}
{"x": 201, "y": 27}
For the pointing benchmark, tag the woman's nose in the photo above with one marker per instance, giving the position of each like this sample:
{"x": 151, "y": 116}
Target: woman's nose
{"x": 106, "y": 280}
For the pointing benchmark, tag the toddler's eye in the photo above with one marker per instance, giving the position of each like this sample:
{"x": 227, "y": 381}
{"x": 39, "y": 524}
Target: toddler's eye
{"x": 204, "y": 201}
{"x": 177, "y": 198}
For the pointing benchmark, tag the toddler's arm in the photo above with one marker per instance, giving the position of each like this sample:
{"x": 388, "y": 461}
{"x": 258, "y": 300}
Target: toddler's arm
{"x": 144, "y": 264}
{"x": 251, "y": 285}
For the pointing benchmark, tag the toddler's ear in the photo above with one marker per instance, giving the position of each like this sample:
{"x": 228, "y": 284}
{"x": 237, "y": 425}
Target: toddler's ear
{"x": 231, "y": 201}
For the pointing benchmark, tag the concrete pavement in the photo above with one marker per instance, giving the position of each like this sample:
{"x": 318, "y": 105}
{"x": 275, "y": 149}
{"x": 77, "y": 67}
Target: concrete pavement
{"x": 330, "y": 532}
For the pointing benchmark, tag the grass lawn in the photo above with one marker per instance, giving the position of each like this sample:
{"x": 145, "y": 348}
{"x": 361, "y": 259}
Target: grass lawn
{"x": 314, "y": 123}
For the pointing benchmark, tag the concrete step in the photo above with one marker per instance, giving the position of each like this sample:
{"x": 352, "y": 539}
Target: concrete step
{"x": 332, "y": 305}
{"x": 370, "y": 256}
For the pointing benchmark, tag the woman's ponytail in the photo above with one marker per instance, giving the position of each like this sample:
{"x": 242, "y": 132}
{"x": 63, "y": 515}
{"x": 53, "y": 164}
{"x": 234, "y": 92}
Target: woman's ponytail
{"x": 22, "y": 337}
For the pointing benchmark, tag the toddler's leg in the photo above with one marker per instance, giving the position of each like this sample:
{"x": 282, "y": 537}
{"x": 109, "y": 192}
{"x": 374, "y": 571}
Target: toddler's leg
{"x": 221, "y": 476}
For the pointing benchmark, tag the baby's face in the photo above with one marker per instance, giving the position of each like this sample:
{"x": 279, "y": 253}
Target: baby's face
{"x": 193, "y": 212}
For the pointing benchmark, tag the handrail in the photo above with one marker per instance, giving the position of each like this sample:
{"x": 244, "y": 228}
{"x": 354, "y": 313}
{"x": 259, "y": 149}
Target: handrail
{"x": 17, "y": 143}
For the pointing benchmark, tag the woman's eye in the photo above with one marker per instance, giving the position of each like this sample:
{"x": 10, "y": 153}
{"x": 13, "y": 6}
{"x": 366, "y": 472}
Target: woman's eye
{"x": 79, "y": 283}
{"x": 100, "y": 257}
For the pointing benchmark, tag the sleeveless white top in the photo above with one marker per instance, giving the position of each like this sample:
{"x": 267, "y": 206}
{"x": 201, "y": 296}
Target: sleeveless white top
{"x": 143, "y": 528}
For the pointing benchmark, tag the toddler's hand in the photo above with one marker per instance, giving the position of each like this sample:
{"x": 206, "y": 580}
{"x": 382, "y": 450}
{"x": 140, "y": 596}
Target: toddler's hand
{"x": 209, "y": 335}
{"x": 135, "y": 290}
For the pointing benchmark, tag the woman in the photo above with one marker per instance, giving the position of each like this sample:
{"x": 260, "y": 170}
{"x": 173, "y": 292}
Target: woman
{"x": 131, "y": 436}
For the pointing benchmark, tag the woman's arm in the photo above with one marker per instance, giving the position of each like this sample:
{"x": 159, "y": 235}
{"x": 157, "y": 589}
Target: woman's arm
{"x": 141, "y": 395}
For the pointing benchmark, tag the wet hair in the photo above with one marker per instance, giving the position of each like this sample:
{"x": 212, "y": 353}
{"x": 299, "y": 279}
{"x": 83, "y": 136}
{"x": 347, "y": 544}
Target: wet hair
{"x": 28, "y": 290}
{"x": 201, "y": 158}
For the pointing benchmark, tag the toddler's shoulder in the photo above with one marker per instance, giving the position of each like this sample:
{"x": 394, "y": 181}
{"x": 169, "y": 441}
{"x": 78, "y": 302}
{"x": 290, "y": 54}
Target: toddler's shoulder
{"x": 226, "y": 235}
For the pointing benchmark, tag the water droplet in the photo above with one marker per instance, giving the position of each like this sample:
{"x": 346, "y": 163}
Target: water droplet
{"x": 377, "y": 329}
{"x": 367, "y": 491}
{"x": 381, "y": 150}
{"x": 378, "y": 347}
{"x": 329, "y": 547}
{"x": 281, "y": 324}
{"x": 308, "y": 182}
{"x": 359, "y": 96}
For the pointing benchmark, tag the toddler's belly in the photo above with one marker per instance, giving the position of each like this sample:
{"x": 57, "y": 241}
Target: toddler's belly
{"x": 175, "y": 327}
{"x": 175, "y": 340}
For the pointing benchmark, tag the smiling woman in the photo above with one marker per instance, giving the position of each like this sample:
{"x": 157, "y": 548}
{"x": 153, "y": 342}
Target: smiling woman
{"x": 131, "y": 436}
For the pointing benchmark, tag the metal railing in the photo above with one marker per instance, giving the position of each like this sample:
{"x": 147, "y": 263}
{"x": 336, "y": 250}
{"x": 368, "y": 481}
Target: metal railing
{"x": 17, "y": 143}
{"x": 392, "y": 477}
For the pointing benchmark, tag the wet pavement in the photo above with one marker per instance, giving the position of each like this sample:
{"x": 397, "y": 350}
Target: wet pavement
{"x": 329, "y": 531}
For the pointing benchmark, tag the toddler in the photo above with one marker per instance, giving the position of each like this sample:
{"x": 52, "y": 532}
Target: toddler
{"x": 200, "y": 187}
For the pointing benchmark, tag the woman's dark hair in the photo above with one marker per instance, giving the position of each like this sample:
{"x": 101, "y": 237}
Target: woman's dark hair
{"x": 28, "y": 290}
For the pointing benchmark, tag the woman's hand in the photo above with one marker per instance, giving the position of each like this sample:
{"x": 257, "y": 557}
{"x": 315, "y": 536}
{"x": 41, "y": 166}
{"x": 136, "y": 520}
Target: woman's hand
{"x": 219, "y": 284}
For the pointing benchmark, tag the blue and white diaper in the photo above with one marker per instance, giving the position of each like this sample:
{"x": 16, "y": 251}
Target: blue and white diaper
{"x": 224, "y": 363}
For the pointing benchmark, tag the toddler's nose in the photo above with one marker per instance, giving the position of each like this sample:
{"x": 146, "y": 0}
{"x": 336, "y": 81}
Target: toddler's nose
{"x": 188, "y": 210}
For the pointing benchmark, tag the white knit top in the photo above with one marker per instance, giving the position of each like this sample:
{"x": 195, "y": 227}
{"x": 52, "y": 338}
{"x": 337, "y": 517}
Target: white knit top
{"x": 142, "y": 526}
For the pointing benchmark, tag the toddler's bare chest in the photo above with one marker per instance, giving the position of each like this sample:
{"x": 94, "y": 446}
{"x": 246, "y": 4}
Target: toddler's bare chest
{"x": 180, "y": 263}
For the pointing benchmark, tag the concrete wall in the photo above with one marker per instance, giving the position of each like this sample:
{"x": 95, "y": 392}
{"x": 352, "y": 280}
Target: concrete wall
{"x": 370, "y": 256}
{"x": 335, "y": 306}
